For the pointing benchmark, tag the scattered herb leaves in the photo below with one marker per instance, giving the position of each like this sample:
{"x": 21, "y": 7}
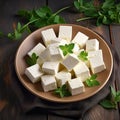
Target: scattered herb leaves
{"x": 62, "y": 91}
{"x": 83, "y": 55}
{"x": 110, "y": 102}
{"x": 92, "y": 81}
{"x": 106, "y": 12}
{"x": 35, "y": 19}
{"x": 67, "y": 48}
{"x": 32, "y": 60}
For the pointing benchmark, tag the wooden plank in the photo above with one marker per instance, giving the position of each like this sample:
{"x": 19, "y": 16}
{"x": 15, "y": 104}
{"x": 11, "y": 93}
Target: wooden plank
{"x": 115, "y": 39}
{"x": 12, "y": 110}
{"x": 9, "y": 8}
{"x": 101, "y": 114}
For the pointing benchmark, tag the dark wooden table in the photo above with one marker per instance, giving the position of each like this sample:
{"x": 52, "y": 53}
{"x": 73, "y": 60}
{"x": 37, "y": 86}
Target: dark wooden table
{"x": 8, "y": 8}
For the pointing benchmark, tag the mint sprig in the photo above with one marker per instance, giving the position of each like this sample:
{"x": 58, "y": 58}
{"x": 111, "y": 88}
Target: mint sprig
{"x": 106, "y": 12}
{"x": 62, "y": 91}
{"x": 92, "y": 81}
{"x": 32, "y": 60}
{"x": 67, "y": 48}
{"x": 110, "y": 102}
{"x": 83, "y": 55}
{"x": 36, "y": 19}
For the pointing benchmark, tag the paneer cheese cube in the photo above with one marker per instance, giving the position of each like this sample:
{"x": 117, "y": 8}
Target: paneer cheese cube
{"x": 65, "y": 32}
{"x": 62, "y": 77}
{"x": 48, "y": 35}
{"x": 48, "y": 83}
{"x": 80, "y": 39}
{"x": 82, "y": 71}
{"x": 59, "y": 40}
{"x": 95, "y": 53}
{"x": 55, "y": 53}
{"x": 97, "y": 64}
{"x": 34, "y": 73}
{"x": 70, "y": 61}
{"x": 50, "y": 67}
{"x": 76, "y": 48}
{"x": 44, "y": 56}
{"x": 92, "y": 45}
{"x": 76, "y": 86}
{"x": 37, "y": 49}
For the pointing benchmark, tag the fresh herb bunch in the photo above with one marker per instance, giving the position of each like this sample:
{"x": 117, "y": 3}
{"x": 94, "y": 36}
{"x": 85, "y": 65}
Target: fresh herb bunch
{"x": 32, "y": 60}
{"x": 92, "y": 81}
{"x": 62, "y": 91}
{"x": 110, "y": 102}
{"x": 67, "y": 48}
{"x": 83, "y": 56}
{"x": 107, "y": 12}
{"x": 36, "y": 18}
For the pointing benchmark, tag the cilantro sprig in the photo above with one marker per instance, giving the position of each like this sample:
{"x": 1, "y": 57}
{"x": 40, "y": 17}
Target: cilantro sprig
{"x": 35, "y": 19}
{"x": 62, "y": 91}
{"x": 107, "y": 12}
{"x": 92, "y": 81}
{"x": 67, "y": 48}
{"x": 83, "y": 55}
{"x": 110, "y": 102}
{"x": 32, "y": 60}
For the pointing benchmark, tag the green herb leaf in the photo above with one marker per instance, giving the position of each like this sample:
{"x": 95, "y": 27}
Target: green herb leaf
{"x": 36, "y": 18}
{"x": 111, "y": 100}
{"x": 32, "y": 60}
{"x": 67, "y": 48}
{"x": 83, "y": 55}
{"x": 107, "y": 104}
{"x": 17, "y": 33}
{"x": 107, "y": 12}
{"x": 92, "y": 81}
{"x": 62, "y": 91}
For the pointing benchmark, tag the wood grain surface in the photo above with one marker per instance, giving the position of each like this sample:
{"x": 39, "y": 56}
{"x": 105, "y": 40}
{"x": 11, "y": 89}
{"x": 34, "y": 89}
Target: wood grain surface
{"x": 9, "y": 107}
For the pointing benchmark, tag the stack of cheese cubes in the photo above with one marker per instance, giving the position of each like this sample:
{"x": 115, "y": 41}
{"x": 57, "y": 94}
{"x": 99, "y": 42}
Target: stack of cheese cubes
{"x": 53, "y": 69}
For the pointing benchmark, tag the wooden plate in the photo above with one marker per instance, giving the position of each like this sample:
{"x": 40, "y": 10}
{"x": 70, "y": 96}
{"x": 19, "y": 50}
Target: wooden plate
{"x": 36, "y": 89}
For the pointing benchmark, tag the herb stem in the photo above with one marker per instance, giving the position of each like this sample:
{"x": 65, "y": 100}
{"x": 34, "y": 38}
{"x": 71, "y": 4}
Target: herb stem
{"x": 86, "y": 18}
{"x": 61, "y": 10}
{"x": 28, "y": 24}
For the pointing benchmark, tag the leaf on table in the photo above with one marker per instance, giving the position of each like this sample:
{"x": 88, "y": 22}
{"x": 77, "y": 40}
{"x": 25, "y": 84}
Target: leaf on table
{"x": 111, "y": 100}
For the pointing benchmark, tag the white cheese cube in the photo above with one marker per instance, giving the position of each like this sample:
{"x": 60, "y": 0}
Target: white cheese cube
{"x": 76, "y": 48}
{"x": 48, "y": 83}
{"x": 92, "y": 45}
{"x": 48, "y": 35}
{"x": 65, "y": 32}
{"x": 76, "y": 86}
{"x": 82, "y": 71}
{"x": 70, "y": 61}
{"x": 59, "y": 40}
{"x": 37, "y": 49}
{"x": 44, "y": 56}
{"x": 50, "y": 67}
{"x": 34, "y": 73}
{"x": 95, "y": 53}
{"x": 80, "y": 39}
{"x": 97, "y": 64}
{"x": 62, "y": 77}
{"x": 55, "y": 53}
